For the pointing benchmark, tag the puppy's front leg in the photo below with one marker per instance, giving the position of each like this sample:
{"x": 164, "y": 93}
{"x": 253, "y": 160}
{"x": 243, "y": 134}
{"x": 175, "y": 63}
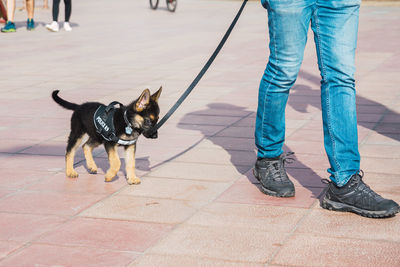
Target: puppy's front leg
{"x": 114, "y": 161}
{"x": 130, "y": 165}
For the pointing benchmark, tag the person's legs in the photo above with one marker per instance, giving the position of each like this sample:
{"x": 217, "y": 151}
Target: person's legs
{"x": 68, "y": 7}
{"x": 10, "y": 10}
{"x": 335, "y": 26}
{"x": 55, "y": 10}
{"x": 30, "y": 8}
{"x": 288, "y": 25}
{"x": 10, "y": 26}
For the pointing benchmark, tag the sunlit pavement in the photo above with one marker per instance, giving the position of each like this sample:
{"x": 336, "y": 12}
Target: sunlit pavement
{"x": 198, "y": 203}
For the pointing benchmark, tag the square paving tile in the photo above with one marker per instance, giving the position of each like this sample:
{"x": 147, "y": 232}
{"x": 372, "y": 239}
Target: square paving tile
{"x": 7, "y": 247}
{"x": 315, "y": 250}
{"x": 176, "y": 189}
{"x": 17, "y": 179}
{"x": 26, "y": 227}
{"x": 173, "y": 261}
{"x": 261, "y": 217}
{"x": 55, "y": 203}
{"x": 226, "y": 243}
{"x": 196, "y": 171}
{"x": 106, "y": 234}
{"x": 48, "y": 255}
{"x": 85, "y": 183}
{"x": 125, "y": 207}
{"x": 346, "y": 225}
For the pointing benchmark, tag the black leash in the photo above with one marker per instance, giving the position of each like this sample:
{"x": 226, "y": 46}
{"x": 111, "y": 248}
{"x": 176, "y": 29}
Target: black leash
{"x": 202, "y": 72}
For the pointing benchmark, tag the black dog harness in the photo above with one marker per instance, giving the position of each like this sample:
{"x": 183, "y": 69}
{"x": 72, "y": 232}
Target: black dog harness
{"x": 103, "y": 120}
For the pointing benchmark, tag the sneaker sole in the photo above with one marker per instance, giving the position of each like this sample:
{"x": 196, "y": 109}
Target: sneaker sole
{"x": 50, "y": 29}
{"x": 337, "y": 206}
{"x": 270, "y": 192}
{"x": 9, "y": 30}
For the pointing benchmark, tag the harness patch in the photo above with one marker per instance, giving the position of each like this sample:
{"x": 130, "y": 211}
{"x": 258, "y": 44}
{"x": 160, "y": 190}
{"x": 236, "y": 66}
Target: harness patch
{"x": 103, "y": 120}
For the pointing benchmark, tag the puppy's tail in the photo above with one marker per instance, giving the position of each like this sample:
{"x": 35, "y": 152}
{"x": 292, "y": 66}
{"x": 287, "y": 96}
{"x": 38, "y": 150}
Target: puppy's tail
{"x": 62, "y": 102}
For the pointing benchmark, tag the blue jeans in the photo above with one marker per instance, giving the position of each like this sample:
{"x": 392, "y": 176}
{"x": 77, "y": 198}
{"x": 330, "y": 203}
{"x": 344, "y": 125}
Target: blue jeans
{"x": 335, "y": 27}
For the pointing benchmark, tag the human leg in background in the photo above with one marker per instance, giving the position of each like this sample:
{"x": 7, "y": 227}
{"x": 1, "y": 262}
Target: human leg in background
{"x": 55, "y": 10}
{"x": 288, "y": 27}
{"x": 30, "y": 8}
{"x": 68, "y": 7}
{"x": 335, "y": 26}
{"x": 10, "y": 26}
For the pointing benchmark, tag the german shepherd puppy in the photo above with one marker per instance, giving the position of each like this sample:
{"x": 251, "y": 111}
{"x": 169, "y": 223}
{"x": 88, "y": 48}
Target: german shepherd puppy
{"x": 142, "y": 113}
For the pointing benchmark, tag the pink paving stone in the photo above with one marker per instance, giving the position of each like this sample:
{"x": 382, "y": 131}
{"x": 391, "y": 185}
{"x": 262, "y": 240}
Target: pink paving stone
{"x": 306, "y": 147}
{"x": 219, "y": 156}
{"x": 205, "y": 120}
{"x": 307, "y": 135}
{"x": 85, "y": 183}
{"x": 383, "y": 182}
{"x": 192, "y": 129}
{"x": 262, "y": 217}
{"x": 384, "y": 165}
{"x": 49, "y": 255}
{"x": 338, "y": 224}
{"x": 390, "y": 127}
{"x": 242, "y": 132}
{"x": 317, "y": 250}
{"x": 309, "y": 161}
{"x": 197, "y": 171}
{"x": 33, "y": 163}
{"x": 35, "y": 133}
{"x": 14, "y": 146}
{"x": 26, "y": 227}
{"x": 247, "y": 193}
{"x": 395, "y": 118}
{"x": 228, "y": 143}
{"x": 367, "y": 117}
{"x": 145, "y": 209}
{"x": 225, "y": 243}
{"x": 173, "y": 261}
{"x": 379, "y": 151}
{"x": 371, "y": 109}
{"x": 56, "y": 149}
{"x": 379, "y": 139}
{"x": 176, "y": 189}
{"x": 56, "y": 203}
{"x": 7, "y": 247}
{"x": 106, "y": 234}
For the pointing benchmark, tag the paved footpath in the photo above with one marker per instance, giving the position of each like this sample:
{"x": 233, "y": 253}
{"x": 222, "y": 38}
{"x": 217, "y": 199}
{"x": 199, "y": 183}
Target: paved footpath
{"x": 198, "y": 204}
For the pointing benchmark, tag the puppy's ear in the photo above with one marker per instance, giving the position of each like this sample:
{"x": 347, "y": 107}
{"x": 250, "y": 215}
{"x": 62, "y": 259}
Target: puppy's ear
{"x": 143, "y": 100}
{"x": 157, "y": 94}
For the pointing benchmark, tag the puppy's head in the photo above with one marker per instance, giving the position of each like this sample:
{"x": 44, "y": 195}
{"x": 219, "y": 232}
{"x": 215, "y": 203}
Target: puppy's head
{"x": 146, "y": 112}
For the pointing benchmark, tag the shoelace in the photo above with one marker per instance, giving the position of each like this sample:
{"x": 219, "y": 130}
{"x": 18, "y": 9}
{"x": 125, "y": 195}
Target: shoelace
{"x": 362, "y": 190}
{"x": 278, "y": 170}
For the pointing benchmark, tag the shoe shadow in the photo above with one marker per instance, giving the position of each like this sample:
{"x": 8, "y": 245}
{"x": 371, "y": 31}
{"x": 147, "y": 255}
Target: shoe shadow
{"x": 22, "y": 24}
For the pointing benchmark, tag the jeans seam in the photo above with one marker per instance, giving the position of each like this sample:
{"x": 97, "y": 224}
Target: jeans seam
{"x": 323, "y": 69}
{"x": 269, "y": 85}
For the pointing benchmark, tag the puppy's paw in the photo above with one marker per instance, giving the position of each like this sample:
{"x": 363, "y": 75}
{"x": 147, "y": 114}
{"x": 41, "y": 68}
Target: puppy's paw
{"x": 134, "y": 180}
{"x": 72, "y": 174}
{"x": 92, "y": 170}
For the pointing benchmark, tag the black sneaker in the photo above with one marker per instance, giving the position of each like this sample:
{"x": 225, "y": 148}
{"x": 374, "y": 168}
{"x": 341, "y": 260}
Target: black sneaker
{"x": 272, "y": 175}
{"x": 359, "y": 198}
